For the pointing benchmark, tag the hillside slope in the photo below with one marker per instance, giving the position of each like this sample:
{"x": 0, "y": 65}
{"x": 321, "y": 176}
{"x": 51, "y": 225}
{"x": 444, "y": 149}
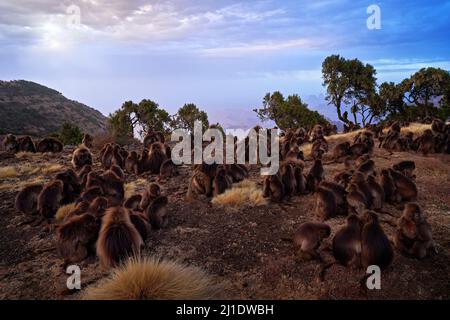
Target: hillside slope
{"x": 30, "y": 108}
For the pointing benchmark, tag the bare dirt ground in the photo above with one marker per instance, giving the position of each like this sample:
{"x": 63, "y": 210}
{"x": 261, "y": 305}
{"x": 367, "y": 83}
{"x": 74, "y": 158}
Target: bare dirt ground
{"x": 242, "y": 248}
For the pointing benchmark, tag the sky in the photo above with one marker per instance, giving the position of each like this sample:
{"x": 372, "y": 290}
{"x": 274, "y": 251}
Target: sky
{"x": 224, "y": 56}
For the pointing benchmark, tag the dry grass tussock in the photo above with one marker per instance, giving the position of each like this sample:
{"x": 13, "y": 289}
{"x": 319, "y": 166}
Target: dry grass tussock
{"x": 64, "y": 211}
{"x": 24, "y": 155}
{"x": 8, "y": 172}
{"x": 153, "y": 279}
{"x": 244, "y": 193}
{"x": 52, "y": 168}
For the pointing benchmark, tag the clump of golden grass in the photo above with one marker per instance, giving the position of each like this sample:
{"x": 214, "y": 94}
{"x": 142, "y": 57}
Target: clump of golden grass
{"x": 244, "y": 193}
{"x": 64, "y": 211}
{"x": 153, "y": 279}
{"x": 26, "y": 154}
{"x": 52, "y": 168}
{"x": 8, "y": 172}
{"x": 416, "y": 128}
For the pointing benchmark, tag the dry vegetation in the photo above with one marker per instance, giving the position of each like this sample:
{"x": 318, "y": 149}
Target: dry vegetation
{"x": 244, "y": 252}
{"x": 153, "y": 279}
{"x": 244, "y": 193}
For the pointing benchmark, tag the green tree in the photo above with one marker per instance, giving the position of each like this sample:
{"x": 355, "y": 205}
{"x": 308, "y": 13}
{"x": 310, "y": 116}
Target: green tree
{"x": 70, "y": 134}
{"x": 350, "y": 82}
{"x": 288, "y": 113}
{"x": 187, "y": 115}
{"x": 142, "y": 117}
{"x": 426, "y": 85}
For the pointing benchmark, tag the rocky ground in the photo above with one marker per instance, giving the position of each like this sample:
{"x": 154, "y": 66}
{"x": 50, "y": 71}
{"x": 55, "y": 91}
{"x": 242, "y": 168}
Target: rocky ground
{"x": 242, "y": 248}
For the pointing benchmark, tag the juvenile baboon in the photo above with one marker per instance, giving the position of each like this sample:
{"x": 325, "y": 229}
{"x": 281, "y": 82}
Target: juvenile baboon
{"x": 405, "y": 187}
{"x": 220, "y": 182}
{"x": 156, "y": 157}
{"x": 118, "y": 237}
{"x": 152, "y": 192}
{"x": 288, "y": 179}
{"x": 413, "y": 235}
{"x": 72, "y": 187}
{"x": 81, "y": 157}
{"x": 27, "y": 199}
{"x": 49, "y": 145}
{"x": 406, "y": 167}
{"x": 88, "y": 140}
{"x": 347, "y": 242}
{"x": 375, "y": 246}
{"x": 50, "y": 198}
{"x": 157, "y": 214}
{"x": 273, "y": 188}
{"x": 10, "y": 143}
{"x": 132, "y": 163}
{"x": 308, "y": 237}
{"x": 315, "y": 176}
{"x": 326, "y": 205}
{"x": 376, "y": 191}
{"x": 168, "y": 169}
{"x": 76, "y": 238}
{"x": 26, "y": 144}
{"x": 133, "y": 202}
{"x": 200, "y": 183}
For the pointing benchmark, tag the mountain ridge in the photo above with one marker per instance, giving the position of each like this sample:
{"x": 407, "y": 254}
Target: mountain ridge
{"x": 30, "y": 108}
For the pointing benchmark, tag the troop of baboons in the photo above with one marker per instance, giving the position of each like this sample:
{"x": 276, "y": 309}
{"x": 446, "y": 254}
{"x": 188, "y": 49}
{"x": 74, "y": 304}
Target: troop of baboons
{"x": 102, "y": 222}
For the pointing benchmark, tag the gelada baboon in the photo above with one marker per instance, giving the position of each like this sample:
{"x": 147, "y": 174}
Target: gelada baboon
{"x": 168, "y": 169}
{"x": 72, "y": 187}
{"x": 405, "y": 187}
{"x": 88, "y": 140}
{"x": 413, "y": 235}
{"x": 50, "y": 198}
{"x": 288, "y": 179}
{"x": 220, "y": 182}
{"x": 273, "y": 188}
{"x": 81, "y": 157}
{"x": 27, "y": 199}
{"x": 49, "y": 145}
{"x": 376, "y": 248}
{"x": 347, "y": 242}
{"x": 76, "y": 238}
{"x": 326, "y": 206}
{"x": 157, "y": 213}
{"x": 26, "y": 144}
{"x": 152, "y": 192}
{"x": 132, "y": 163}
{"x": 10, "y": 143}
{"x": 118, "y": 237}
{"x": 315, "y": 176}
{"x": 156, "y": 157}
{"x": 308, "y": 238}
{"x": 406, "y": 167}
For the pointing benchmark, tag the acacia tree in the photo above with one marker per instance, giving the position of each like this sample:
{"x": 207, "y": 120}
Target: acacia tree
{"x": 288, "y": 113}
{"x": 350, "y": 82}
{"x": 426, "y": 85}
{"x": 187, "y": 115}
{"x": 141, "y": 117}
